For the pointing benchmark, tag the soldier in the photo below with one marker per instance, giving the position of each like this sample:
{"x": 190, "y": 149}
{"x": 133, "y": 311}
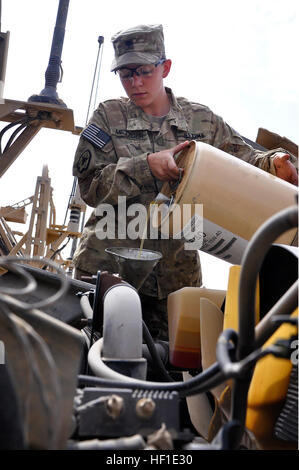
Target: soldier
{"x": 128, "y": 150}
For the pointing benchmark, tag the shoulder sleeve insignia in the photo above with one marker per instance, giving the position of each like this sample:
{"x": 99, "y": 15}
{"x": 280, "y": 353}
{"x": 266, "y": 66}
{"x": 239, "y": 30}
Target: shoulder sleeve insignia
{"x": 96, "y": 135}
{"x": 84, "y": 161}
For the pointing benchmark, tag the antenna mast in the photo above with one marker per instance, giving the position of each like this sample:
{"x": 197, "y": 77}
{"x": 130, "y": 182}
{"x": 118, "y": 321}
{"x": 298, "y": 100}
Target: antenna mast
{"x": 53, "y": 73}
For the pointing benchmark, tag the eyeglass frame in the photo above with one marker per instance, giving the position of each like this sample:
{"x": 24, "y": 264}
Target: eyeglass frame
{"x": 134, "y": 70}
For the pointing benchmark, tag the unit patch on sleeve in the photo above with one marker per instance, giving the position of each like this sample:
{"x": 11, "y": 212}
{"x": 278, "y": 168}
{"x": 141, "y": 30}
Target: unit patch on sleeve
{"x": 96, "y": 135}
{"x": 84, "y": 161}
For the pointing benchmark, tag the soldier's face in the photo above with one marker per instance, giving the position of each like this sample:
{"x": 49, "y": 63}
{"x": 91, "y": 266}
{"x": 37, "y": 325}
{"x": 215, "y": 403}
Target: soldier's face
{"x": 146, "y": 91}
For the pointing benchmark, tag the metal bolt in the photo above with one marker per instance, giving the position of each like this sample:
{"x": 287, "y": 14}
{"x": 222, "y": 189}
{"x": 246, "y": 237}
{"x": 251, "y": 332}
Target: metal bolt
{"x": 32, "y": 112}
{"x": 145, "y": 407}
{"x": 114, "y": 405}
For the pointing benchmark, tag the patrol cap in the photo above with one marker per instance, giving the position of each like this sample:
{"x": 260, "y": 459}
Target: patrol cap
{"x": 143, "y": 44}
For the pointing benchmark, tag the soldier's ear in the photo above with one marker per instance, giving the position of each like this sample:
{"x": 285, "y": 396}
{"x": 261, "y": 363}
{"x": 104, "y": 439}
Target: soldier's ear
{"x": 166, "y": 67}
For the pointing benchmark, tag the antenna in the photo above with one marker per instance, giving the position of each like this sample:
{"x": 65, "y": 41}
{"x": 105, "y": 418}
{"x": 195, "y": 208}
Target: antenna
{"x": 53, "y": 73}
{"x": 4, "y": 40}
{"x": 96, "y": 76}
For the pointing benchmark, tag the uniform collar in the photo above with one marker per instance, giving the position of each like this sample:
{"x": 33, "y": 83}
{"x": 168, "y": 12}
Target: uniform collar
{"x": 138, "y": 120}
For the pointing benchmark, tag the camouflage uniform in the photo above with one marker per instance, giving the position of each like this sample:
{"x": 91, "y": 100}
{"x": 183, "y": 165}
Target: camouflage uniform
{"x": 111, "y": 161}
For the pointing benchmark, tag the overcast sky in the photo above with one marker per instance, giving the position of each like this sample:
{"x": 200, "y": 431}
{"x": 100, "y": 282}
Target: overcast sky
{"x": 239, "y": 57}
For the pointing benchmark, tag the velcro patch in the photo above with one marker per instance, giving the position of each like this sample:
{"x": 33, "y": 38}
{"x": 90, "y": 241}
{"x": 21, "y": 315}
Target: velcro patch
{"x": 96, "y": 135}
{"x": 131, "y": 135}
{"x": 84, "y": 161}
{"x": 191, "y": 136}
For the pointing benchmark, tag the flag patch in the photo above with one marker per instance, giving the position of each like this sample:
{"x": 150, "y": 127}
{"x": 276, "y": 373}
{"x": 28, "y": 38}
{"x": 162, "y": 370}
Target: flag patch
{"x": 96, "y": 135}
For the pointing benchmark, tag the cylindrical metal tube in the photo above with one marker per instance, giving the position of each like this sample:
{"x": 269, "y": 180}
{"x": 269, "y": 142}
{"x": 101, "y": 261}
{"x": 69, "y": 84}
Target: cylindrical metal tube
{"x": 285, "y": 306}
{"x": 122, "y": 330}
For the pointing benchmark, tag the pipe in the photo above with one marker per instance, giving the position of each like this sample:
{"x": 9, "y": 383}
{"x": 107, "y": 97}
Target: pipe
{"x": 106, "y": 377}
{"x": 86, "y": 307}
{"x": 100, "y": 369}
{"x": 122, "y": 330}
{"x": 285, "y": 306}
{"x": 160, "y": 367}
{"x": 122, "y": 334}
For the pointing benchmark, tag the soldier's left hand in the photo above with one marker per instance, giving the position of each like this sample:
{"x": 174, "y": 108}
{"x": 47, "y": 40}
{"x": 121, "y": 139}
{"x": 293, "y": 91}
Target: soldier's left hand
{"x": 284, "y": 168}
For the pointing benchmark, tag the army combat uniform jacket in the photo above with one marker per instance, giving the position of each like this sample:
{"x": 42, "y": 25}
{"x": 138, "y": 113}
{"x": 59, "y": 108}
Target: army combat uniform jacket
{"x": 111, "y": 161}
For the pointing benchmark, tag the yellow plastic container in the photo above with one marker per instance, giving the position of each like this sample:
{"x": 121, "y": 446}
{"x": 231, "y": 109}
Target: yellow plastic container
{"x": 268, "y": 388}
{"x": 231, "y": 312}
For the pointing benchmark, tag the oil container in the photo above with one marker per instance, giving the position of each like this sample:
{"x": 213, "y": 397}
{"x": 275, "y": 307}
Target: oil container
{"x": 230, "y": 197}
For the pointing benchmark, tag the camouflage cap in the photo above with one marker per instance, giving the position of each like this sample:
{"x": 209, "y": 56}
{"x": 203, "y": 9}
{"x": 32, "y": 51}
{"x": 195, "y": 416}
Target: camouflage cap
{"x": 143, "y": 44}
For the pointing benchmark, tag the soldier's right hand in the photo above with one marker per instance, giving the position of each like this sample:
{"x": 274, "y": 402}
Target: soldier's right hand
{"x": 162, "y": 164}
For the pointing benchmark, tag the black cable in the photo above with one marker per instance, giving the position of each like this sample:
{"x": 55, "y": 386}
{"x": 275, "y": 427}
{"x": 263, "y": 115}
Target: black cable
{"x": 56, "y": 252}
{"x": 209, "y": 376}
{"x": 13, "y": 135}
{"x": 210, "y": 383}
{"x": 154, "y": 354}
{"x": 224, "y": 348}
{"x": 226, "y": 355}
{"x": 9, "y": 126}
{"x": 23, "y": 123}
